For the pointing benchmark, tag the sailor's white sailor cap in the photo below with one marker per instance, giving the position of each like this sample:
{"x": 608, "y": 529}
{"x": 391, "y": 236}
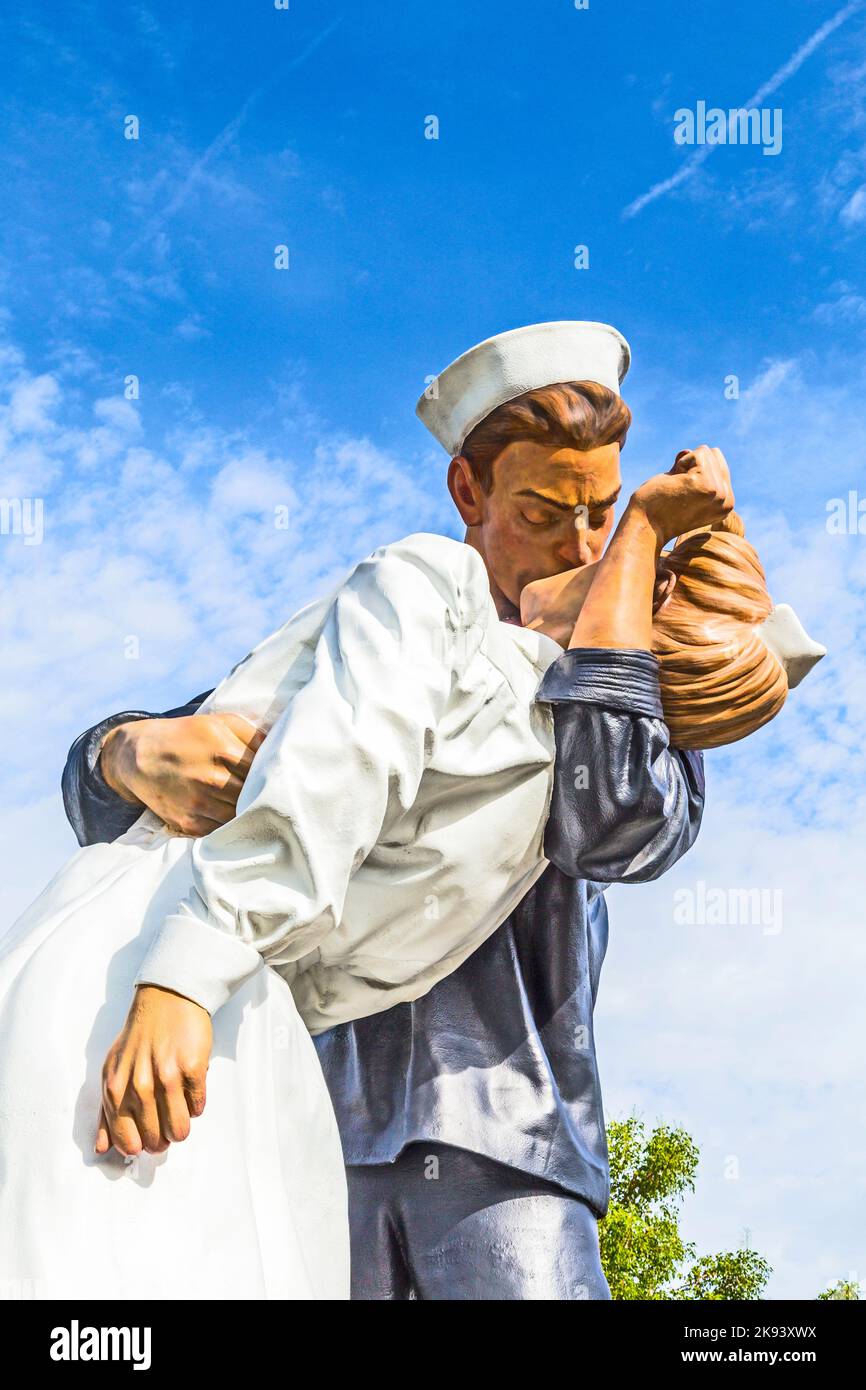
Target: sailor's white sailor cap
{"x": 523, "y": 359}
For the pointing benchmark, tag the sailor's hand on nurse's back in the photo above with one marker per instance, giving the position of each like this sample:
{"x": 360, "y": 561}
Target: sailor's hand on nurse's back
{"x": 188, "y": 771}
{"x": 696, "y": 492}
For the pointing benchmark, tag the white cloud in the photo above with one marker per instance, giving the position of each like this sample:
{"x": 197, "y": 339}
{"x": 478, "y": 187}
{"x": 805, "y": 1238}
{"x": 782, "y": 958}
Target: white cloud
{"x": 253, "y": 485}
{"x": 853, "y": 214}
{"x": 192, "y": 328}
{"x": 848, "y": 308}
{"x": 119, "y": 413}
{"x": 755, "y": 397}
{"x": 31, "y": 403}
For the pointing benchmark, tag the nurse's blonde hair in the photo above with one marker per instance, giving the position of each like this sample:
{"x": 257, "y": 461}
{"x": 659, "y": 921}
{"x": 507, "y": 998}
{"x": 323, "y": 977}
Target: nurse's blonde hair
{"x": 719, "y": 682}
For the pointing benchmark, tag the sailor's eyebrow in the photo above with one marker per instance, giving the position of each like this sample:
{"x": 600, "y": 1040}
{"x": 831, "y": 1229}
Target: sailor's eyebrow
{"x": 605, "y": 501}
{"x": 568, "y": 506}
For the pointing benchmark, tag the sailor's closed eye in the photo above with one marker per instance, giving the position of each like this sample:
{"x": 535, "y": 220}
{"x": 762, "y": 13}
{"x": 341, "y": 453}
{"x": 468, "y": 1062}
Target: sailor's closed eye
{"x": 537, "y": 516}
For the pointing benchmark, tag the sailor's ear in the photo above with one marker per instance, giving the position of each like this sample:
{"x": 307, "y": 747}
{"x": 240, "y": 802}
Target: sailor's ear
{"x": 466, "y": 492}
{"x": 665, "y": 583}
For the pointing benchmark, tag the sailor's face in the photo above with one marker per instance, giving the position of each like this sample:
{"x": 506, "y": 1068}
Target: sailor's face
{"x": 551, "y": 509}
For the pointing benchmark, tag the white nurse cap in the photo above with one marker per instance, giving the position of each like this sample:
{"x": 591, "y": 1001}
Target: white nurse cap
{"x": 790, "y": 643}
{"x": 523, "y": 359}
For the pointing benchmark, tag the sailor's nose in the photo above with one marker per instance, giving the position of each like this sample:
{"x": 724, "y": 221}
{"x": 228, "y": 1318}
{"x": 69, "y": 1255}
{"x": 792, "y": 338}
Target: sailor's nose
{"x": 575, "y": 550}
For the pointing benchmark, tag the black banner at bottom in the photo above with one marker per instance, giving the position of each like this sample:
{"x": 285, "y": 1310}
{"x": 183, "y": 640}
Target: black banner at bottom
{"x": 158, "y": 1337}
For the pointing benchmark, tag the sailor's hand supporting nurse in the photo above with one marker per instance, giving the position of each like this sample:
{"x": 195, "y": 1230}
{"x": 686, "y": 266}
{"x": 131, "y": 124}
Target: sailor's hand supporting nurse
{"x": 155, "y": 1074}
{"x": 188, "y": 771}
{"x": 611, "y": 603}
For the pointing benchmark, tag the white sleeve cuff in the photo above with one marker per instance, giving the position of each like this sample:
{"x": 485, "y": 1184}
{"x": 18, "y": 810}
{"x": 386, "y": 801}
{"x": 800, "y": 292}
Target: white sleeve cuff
{"x": 197, "y": 960}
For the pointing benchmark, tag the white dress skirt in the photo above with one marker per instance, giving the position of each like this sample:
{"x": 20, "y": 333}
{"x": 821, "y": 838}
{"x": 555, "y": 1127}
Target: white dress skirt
{"x": 251, "y": 1205}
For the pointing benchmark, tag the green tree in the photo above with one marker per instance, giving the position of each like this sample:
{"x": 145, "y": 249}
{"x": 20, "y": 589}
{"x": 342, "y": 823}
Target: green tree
{"x": 642, "y": 1252}
{"x": 843, "y": 1288}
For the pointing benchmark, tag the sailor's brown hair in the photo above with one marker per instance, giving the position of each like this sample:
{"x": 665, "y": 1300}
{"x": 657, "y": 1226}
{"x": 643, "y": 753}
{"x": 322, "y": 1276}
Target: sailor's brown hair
{"x": 719, "y": 681}
{"x": 572, "y": 415}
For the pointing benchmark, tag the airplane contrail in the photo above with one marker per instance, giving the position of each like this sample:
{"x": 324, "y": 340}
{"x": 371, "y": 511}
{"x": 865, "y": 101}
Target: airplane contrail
{"x": 787, "y": 70}
{"x": 227, "y": 134}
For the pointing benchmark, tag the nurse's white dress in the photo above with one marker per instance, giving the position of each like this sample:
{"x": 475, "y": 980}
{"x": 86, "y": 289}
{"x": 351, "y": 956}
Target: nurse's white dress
{"x": 393, "y": 817}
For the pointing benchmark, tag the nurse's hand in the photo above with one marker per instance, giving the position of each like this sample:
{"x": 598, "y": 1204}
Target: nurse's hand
{"x": 154, "y": 1077}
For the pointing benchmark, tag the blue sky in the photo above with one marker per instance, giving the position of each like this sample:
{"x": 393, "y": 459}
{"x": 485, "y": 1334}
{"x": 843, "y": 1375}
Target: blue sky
{"x": 262, "y": 388}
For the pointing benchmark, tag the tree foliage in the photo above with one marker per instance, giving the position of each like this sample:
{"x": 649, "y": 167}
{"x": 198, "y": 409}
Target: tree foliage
{"x": 642, "y": 1252}
{"x": 843, "y": 1288}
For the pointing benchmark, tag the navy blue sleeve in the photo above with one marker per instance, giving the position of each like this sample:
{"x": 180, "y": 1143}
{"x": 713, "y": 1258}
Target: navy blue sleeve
{"x": 625, "y": 805}
{"x": 96, "y": 813}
